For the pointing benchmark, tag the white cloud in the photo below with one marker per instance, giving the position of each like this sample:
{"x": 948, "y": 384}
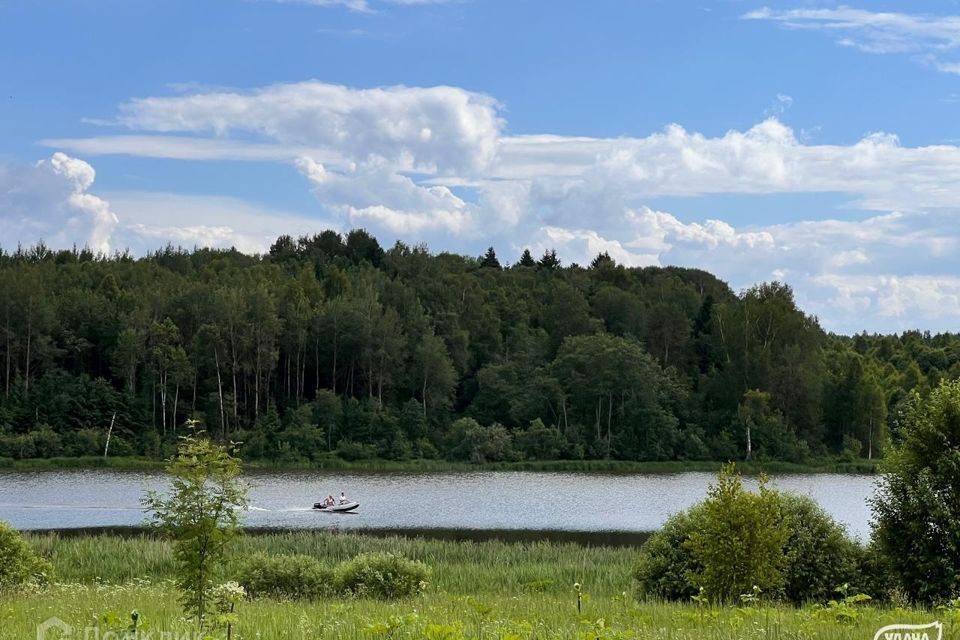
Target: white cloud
{"x": 396, "y": 202}
{"x": 50, "y": 201}
{"x": 191, "y": 148}
{"x": 432, "y": 130}
{"x": 149, "y": 220}
{"x": 927, "y": 36}
{"x": 433, "y": 164}
{"x": 583, "y": 245}
{"x": 767, "y": 158}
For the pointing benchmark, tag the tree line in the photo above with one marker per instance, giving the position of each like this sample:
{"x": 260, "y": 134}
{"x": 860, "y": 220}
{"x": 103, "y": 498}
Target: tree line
{"x": 331, "y": 345}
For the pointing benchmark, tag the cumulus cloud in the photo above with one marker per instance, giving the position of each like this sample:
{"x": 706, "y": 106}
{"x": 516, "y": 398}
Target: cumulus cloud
{"x": 389, "y": 199}
{"x": 430, "y": 130}
{"x": 767, "y": 158}
{"x": 50, "y": 200}
{"x": 434, "y": 164}
{"x": 926, "y": 36}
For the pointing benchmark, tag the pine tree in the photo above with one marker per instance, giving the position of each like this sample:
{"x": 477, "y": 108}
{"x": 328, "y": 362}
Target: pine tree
{"x": 489, "y": 260}
{"x": 549, "y": 261}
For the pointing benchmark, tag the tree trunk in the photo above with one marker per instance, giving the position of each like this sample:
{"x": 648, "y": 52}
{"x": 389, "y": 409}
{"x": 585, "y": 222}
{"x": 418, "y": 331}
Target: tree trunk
{"x": 333, "y": 377}
{"x": 26, "y": 379}
{"x": 106, "y": 449}
{"x": 7, "y": 332}
{"x": 609, "y": 415}
{"x": 223, "y": 421}
{"x": 176, "y": 401}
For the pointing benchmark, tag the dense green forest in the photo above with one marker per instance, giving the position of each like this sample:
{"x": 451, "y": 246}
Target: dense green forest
{"x": 332, "y": 346}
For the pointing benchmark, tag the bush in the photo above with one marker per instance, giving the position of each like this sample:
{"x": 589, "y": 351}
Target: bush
{"x": 819, "y": 555}
{"x": 286, "y": 576}
{"x": 382, "y": 575}
{"x": 19, "y": 565}
{"x": 666, "y": 564}
{"x": 876, "y": 575}
{"x": 739, "y": 540}
{"x": 816, "y": 557}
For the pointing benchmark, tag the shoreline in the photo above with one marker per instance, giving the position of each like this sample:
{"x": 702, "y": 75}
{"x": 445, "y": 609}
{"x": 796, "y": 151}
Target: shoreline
{"x": 440, "y": 534}
{"x": 439, "y": 466}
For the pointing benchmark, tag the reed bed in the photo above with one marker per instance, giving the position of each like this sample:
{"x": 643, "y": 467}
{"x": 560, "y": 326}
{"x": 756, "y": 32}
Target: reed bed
{"x": 464, "y": 568}
{"x": 479, "y": 591}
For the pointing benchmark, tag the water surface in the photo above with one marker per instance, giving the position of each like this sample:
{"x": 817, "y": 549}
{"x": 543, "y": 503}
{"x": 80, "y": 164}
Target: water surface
{"x": 487, "y": 500}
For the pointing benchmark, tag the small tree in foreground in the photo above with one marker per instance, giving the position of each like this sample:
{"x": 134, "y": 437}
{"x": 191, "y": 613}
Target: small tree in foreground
{"x": 740, "y": 541}
{"x": 200, "y": 513}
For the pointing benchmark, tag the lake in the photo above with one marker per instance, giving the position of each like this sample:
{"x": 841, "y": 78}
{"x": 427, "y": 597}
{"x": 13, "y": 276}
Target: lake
{"x": 487, "y": 500}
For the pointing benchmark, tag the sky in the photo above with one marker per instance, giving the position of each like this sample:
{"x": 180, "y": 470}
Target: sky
{"x": 809, "y": 142}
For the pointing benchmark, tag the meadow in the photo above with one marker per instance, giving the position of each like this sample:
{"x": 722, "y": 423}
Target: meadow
{"x": 507, "y": 591}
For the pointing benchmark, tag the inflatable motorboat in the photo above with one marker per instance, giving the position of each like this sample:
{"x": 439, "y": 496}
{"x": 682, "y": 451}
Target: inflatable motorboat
{"x": 337, "y": 508}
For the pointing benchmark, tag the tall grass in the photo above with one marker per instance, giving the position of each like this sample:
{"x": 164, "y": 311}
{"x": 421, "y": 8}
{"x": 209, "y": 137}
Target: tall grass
{"x": 480, "y": 591}
{"x": 465, "y": 568}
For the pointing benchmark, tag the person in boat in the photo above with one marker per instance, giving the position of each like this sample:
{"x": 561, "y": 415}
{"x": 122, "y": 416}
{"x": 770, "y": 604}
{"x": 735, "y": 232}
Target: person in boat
{"x": 343, "y": 498}
{"x": 329, "y": 501}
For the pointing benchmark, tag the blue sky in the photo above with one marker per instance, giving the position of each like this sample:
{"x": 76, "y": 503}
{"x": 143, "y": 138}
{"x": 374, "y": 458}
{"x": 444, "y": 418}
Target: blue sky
{"x": 805, "y": 141}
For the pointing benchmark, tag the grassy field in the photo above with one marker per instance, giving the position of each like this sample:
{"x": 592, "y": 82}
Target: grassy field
{"x": 413, "y": 466}
{"x": 479, "y": 590}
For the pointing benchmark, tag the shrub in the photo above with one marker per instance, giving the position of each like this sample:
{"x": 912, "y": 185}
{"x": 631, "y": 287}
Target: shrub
{"x": 739, "y": 540}
{"x": 876, "y": 575}
{"x": 286, "y": 576}
{"x": 819, "y": 555}
{"x": 382, "y": 575}
{"x": 19, "y": 565}
{"x": 666, "y": 564}
{"x": 815, "y": 558}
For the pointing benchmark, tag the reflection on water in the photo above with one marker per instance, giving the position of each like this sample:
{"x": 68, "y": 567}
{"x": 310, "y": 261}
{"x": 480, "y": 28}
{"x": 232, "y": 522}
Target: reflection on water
{"x": 488, "y": 500}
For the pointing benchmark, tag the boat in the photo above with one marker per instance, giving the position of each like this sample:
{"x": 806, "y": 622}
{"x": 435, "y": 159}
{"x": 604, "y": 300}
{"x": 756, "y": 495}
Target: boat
{"x": 346, "y": 507}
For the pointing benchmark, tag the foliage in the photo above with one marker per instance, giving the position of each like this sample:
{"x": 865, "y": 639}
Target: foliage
{"x": 200, "y": 514}
{"x": 814, "y": 553}
{"x": 286, "y": 576}
{"x": 19, "y": 565}
{"x": 740, "y": 540}
{"x": 916, "y": 514}
{"x": 323, "y": 345}
{"x": 818, "y": 553}
{"x": 382, "y": 575}
{"x": 666, "y": 563}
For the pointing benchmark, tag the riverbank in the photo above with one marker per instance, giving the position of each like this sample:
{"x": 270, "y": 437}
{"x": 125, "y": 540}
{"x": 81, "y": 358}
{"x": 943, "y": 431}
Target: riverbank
{"x": 441, "y": 466}
{"x": 478, "y": 590}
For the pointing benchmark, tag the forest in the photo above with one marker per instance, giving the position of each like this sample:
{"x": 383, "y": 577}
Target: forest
{"x": 333, "y": 347}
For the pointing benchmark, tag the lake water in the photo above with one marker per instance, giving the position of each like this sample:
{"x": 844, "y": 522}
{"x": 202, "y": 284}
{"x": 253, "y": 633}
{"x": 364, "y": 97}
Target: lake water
{"x": 488, "y": 500}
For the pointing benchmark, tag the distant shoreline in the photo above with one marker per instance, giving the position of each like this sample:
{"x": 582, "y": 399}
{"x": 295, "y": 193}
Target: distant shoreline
{"x": 440, "y": 466}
